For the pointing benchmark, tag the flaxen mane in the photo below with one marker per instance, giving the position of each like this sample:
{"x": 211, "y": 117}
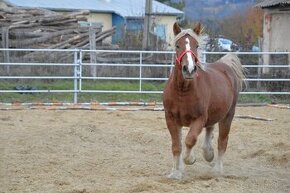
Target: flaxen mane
{"x": 233, "y": 61}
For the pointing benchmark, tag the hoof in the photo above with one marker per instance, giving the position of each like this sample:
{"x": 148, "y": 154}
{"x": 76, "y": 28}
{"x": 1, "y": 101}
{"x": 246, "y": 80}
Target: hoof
{"x": 189, "y": 160}
{"x": 218, "y": 168}
{"x": 175, "y": 174}
{"x": 208, "y": 154}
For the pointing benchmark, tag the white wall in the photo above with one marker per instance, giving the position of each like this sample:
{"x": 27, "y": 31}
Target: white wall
{"x": 276, "y": 32}
{"x": 168, "y": 21}
{"x": 105, "y": 19}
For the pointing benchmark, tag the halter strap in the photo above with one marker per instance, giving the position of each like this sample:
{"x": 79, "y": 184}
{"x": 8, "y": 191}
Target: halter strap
{"x": 179, "y": 58}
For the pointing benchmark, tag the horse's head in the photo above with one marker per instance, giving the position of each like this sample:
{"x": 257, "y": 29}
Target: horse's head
{"x": 186, "y": 45}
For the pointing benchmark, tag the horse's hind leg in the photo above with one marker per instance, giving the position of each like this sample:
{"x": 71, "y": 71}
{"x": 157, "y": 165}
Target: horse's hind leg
{"x": 224, "y": 129}
{"x": 208, "y": 152}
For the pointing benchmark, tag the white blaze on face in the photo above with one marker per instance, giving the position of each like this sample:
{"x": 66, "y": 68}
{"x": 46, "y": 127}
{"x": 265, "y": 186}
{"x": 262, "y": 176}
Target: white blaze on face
{"x": 189, "y": 56}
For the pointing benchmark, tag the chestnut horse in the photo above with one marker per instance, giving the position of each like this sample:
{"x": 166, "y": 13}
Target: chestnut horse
{"x": 199, "y": 96}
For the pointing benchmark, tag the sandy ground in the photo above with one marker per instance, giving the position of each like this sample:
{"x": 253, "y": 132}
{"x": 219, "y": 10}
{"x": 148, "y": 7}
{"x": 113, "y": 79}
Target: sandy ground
{"x": 100, "y": 151}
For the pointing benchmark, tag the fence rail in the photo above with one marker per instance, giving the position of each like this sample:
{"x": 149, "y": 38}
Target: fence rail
{"x": 78, "y": 65}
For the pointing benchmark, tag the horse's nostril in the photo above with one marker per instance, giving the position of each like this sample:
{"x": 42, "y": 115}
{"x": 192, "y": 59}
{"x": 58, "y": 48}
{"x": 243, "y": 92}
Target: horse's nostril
{"x": 184, "y": 68}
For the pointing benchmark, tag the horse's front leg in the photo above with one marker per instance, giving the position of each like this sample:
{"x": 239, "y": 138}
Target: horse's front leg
{"x": 176, "y": 136}
{"x": 191, "y": 138}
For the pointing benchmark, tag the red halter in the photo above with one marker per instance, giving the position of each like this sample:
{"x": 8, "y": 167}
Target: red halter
{"x": 179, "y": 58}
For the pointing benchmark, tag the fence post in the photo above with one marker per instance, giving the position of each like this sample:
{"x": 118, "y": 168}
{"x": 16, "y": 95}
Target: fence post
{"x": 93, "y": 55}
{"x": 203, "y": 60}
{"x": 76, "y": 76}
{"x": 80, "y": 62}
{"x": 172, "y": 64}
{"x": 140, "y": 72}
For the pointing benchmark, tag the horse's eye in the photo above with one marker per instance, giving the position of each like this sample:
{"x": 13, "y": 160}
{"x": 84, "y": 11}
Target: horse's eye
{"x": 177, "y": 46}
{"x": 197, "y": 46}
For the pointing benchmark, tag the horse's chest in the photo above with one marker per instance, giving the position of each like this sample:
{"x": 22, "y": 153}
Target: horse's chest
{"x": 185, "y": 114}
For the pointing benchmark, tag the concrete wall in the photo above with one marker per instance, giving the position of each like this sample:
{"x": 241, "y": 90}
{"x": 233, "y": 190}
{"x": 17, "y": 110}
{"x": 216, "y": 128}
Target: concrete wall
{"x": 105, "y": 19}
{"x": 168, "y": 21}
{"x": 276, "y": 30}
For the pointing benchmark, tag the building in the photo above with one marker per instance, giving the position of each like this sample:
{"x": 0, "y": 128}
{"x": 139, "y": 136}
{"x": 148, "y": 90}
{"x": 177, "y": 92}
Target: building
{"x": 276, "y": 28}
{"x": 125, "y": 15}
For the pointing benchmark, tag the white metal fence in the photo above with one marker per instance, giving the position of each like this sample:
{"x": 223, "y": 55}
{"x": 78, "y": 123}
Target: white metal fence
{"x": 78, "y": 65}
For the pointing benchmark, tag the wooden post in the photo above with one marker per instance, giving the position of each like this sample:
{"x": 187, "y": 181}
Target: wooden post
{"x": 5, "y": 44}
{"x": 93, "y": 29}
{"x": 93, "y": 56}
{"x": 260, "y": 62}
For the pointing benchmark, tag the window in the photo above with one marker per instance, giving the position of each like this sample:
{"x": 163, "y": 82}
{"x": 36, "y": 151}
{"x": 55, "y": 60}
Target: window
{"x": 160, "y": 31}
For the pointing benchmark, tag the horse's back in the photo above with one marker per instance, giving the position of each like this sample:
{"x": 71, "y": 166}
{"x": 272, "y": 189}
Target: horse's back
{"x": 224, "y": 86}
{"x": 231, "y": 60}
{"x": 228, "y": 69}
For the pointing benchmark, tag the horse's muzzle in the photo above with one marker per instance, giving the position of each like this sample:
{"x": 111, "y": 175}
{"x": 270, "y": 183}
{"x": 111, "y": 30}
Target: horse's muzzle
{"x": 186, "y": 74}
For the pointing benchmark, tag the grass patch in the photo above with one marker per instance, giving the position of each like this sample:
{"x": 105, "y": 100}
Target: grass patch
{"x": 105, "y": 97}
{"x": 258, "y": 98}
{"x": 122, "y": 85}
{"x": 82, "y": 97}
{"x": 102, "y": 97}
{"x": 255, "y": 98}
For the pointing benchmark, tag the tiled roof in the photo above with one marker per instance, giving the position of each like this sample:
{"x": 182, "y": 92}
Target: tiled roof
{"x": 125, "y": 8}
{"x": 272, "y": 3}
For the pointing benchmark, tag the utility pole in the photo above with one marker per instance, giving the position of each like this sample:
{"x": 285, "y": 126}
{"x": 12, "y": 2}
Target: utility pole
{"x": 147, "y": 25}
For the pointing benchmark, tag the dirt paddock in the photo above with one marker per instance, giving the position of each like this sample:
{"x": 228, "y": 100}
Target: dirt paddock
{"x": 111, "y": 151}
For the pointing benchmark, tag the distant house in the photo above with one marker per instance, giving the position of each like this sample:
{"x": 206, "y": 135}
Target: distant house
{"x": 125, "y": 15}
{"x": 276, "y": 27}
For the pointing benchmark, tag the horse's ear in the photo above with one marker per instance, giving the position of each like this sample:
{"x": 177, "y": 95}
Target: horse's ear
{"x": 197, "y": 28}
{"x": 176, "y": 29}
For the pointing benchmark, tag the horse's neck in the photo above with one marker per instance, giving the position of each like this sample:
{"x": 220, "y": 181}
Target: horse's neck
{"x": 180, "y": 84}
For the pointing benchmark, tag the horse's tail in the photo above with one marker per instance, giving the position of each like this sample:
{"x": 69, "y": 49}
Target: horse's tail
{"x": 234, "y": 62}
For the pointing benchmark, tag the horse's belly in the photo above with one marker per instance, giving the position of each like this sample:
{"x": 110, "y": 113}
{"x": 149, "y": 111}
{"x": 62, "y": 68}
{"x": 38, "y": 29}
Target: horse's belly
{"x": 215, "y": 115}
{"x": 211, "y": 121}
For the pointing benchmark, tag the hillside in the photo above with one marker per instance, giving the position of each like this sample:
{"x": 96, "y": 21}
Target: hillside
{"x": 208, "y": 9}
